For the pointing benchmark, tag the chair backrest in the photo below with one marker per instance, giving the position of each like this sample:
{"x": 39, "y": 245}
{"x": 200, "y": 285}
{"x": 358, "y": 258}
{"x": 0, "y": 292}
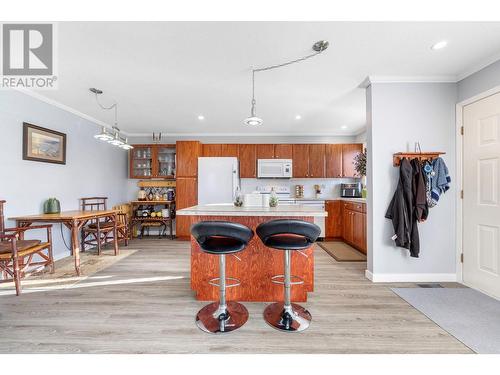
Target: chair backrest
{"x": 94, "y": 203}
{"x": 2, "y": 222}
{"x": 308, "y": 231}
{"x": 124, "y": 210}
{"x": 205, "y": 229}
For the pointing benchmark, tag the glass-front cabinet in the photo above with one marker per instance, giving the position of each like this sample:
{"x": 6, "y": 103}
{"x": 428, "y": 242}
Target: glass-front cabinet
{"x": 152, "y": 161}
{"x": 165, "y": 157}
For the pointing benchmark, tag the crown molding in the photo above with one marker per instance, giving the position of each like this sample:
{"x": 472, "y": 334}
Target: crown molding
{"x": 184, "y": 135}
{"x": 407, "y": 79}
{"x": 479, "y": 66}
{"x": 66, "y": 108}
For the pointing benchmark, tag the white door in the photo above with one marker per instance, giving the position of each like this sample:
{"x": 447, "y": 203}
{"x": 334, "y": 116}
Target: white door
{"x": 481, "y": 206}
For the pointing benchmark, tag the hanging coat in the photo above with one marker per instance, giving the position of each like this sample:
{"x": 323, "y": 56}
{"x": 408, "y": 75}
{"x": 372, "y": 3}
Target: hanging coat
{"x": 419, "y": 191}
{"x": 402, "y": 210}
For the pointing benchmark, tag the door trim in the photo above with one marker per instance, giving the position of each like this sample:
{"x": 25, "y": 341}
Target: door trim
{"x": 460, "y": 171}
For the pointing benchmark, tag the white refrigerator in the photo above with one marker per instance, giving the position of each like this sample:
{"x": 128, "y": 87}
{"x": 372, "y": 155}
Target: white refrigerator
{"x": 218, "y": 180}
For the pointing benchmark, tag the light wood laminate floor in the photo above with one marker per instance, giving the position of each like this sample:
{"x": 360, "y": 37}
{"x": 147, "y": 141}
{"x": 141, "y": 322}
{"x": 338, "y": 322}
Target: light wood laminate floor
{"x": 143, "y": 304}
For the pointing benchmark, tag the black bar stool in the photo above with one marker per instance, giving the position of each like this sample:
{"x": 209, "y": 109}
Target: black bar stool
{"x": 221, "y": 238}
{"x": 287, "y": 235}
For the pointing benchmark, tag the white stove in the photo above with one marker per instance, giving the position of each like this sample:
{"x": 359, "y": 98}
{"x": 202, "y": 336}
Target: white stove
{"x": 283, "y": 194}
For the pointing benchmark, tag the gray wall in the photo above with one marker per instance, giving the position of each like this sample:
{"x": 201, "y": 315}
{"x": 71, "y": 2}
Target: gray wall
{"x": 480, "y": 81}
{"x": 92, "y": 167}
{"x": 402, "y": 114}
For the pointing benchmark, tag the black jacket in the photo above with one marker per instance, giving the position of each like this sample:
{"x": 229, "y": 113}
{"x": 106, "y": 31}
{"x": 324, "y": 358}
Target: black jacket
{"x": 406, "y": 204}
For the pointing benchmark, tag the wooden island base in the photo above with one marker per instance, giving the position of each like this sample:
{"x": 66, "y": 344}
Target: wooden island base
{"x": 255, "y": 269}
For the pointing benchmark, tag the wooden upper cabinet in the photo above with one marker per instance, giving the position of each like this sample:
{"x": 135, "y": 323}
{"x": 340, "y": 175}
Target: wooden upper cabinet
{"x": 229, "y": 150}
{"x": 265, "y": 151}
{"x": 317, "y": 161}
{"x": 212, "y": 150}
{"x": 349, "y": 151}
{"x": 248, "y": 160}
{"x": 282, "y": 151}
{"x": 333, "y": 160}
{"x": 152, "y": 161}
{"x": 300, "y": 156}
{"x": 187, "y": 158}
{"x": 141, "y": 159}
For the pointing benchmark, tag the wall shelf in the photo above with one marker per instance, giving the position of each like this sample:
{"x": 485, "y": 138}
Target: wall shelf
{"x": 396, "y": 158}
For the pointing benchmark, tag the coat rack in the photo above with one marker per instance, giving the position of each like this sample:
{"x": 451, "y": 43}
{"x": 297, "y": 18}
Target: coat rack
{"x": 422, "y": 156}
{"x": 396, "y": 158}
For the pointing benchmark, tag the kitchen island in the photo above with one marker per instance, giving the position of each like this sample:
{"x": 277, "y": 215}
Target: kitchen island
{"x": 255, "y": 265}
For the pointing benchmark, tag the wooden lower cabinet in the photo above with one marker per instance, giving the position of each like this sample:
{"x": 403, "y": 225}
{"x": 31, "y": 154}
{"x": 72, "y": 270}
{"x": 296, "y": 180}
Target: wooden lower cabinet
{"x": 348, "y": 226}
{"x": 347, "y": 221}
{"x": 358, "y": 230}
{"x": 186, "y": 196}
{"x": 333, "y": 222}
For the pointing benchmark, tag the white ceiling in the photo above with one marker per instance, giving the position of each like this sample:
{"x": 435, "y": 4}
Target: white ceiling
{"x": 163, "y": 75}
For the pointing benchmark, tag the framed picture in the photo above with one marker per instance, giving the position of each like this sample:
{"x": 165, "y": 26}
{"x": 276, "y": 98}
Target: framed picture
{"x": 41, "y": 144}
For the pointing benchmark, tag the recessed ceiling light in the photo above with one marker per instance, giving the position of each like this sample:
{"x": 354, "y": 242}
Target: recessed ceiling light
{"x": 343, "y": 127}
{"x": 439, "y": 45}
{"x": 201, "y": 117}
{"x": 298, "y": 117}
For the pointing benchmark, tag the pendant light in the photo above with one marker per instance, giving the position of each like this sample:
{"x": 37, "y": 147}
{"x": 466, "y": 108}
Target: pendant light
{"x": 254, "y": 120}
{"x": 113, "y": 138}
{"x": 103, "y": 135}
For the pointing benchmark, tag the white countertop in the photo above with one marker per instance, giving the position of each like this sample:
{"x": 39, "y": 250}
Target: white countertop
{"x": 355, "y": 200}
{"x": 231, "y": 210}
{"x": 326, "y": 198}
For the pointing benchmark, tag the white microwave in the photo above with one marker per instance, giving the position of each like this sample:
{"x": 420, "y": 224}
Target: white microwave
{"x": 274, "y": 168}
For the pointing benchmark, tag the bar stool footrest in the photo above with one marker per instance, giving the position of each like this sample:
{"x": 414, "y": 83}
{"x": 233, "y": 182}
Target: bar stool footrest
{"x": 275, "y": 280}
{"x": 234, "y": 280}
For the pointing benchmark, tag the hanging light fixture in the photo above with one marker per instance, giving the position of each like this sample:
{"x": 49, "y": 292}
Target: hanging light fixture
{"x": 114, "y": 136}
{"x": 103, "y": 135}
{"x": 254, "y": 120}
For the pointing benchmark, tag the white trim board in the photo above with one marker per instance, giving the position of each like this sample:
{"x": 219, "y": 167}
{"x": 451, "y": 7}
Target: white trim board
{"x": 407, "y": 79}
{"x": 410, "y": 277}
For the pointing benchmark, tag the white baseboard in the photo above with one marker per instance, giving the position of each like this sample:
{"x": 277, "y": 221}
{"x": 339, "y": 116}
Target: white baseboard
{"x": 410, "y": 277}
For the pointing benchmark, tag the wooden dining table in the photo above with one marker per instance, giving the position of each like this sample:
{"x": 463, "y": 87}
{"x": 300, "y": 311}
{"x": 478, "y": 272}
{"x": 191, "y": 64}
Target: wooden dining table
{"x": 74, "y": 221}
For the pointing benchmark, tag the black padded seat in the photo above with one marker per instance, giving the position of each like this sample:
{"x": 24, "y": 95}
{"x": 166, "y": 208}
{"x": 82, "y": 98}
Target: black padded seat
{"x": 288, "y": 234}
{"x": 221, "y": 237}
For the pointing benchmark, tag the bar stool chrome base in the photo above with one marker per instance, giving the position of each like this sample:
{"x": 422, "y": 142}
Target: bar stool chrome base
{"x": 207, "y": 318}
{"x": 296, "y": 319}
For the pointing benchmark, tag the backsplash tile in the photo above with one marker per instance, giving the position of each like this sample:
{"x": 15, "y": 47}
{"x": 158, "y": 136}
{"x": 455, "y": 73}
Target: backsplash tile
{"x": 330, "y": 186}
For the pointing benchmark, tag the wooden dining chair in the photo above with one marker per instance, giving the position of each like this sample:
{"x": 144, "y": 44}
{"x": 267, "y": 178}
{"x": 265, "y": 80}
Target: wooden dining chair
{"x": 123, "y": 227}
{"x": 16, "y": 253}
{"x": 99, "y": 231}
